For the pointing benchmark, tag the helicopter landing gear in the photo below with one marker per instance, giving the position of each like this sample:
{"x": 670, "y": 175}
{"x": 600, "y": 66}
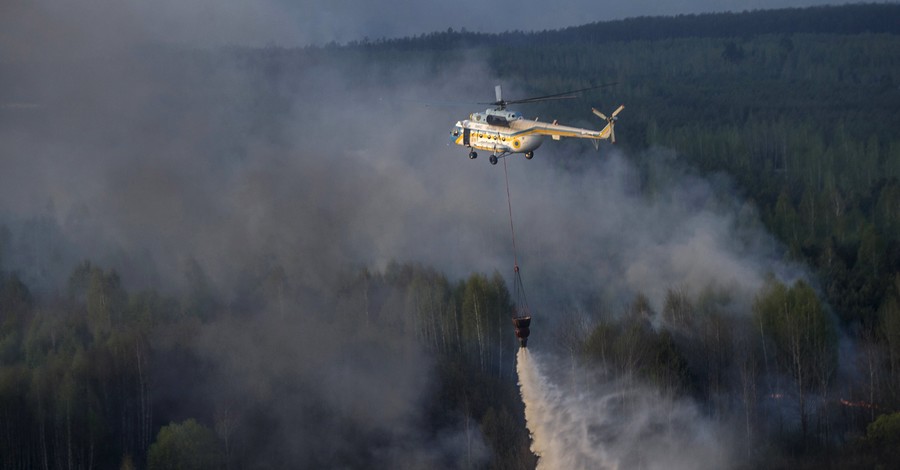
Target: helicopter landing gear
{"x": 529, "y": 155}
{"x": 473, "y": 155}
{"x": 493, "y": 159}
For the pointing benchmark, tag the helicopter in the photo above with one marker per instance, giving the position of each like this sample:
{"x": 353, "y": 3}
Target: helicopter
{"x": 504, "y": 132}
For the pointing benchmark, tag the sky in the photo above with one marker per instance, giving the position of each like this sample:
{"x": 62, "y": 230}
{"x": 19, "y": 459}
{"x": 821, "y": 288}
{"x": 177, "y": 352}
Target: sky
{"x": 291, "y": 23}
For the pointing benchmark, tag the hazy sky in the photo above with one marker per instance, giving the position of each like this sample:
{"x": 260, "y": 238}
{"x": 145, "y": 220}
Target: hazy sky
{"x": 300, "y": 22}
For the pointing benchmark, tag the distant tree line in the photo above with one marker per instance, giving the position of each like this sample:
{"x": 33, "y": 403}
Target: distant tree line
{"x": 843, "y": 20}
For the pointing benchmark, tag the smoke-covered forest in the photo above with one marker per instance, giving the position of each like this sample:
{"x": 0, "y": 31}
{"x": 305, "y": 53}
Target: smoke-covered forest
{"x": 271, "y": 257}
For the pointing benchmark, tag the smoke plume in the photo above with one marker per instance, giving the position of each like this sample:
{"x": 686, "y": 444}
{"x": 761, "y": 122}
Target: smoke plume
{"x": 147, "y": 158}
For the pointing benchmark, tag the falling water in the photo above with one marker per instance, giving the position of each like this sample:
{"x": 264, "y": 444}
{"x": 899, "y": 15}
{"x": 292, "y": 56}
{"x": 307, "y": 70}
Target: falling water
{"x": 614, "y": 426}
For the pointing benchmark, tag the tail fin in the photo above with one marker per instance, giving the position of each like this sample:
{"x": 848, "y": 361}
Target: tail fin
{"x": 610, "y": 129}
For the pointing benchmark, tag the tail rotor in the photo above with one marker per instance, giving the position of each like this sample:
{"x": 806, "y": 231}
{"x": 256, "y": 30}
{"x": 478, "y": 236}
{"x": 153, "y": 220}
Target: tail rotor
{"x": 611, "y": 120}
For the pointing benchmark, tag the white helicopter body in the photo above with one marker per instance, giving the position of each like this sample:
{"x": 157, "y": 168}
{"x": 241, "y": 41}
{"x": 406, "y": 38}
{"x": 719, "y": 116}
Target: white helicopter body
{"x": 503, "y": 132}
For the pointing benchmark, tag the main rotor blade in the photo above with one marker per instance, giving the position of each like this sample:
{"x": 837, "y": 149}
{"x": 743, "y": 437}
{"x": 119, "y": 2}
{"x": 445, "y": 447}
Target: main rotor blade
{"x": 446, "y": 104}
{"x": 498, "y": 93}
{"x": 564, "y": 95}
{"x": 545, "y": 98}
{"x": 619, "y": 110}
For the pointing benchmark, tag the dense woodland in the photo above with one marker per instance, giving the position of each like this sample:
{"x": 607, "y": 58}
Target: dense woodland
{"x": 799, "y": 108}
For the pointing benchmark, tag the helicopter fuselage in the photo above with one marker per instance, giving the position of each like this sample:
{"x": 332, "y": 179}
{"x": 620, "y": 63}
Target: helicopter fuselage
{"x": 498, "y": 132}
{"x": 503, "y": 132}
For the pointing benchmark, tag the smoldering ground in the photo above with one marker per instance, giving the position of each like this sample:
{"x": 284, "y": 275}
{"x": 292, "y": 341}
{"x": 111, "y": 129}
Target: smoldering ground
{"x": 148, "y": 158}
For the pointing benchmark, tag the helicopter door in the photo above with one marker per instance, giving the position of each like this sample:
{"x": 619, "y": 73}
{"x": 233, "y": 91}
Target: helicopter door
{"x": 466, "y": 136}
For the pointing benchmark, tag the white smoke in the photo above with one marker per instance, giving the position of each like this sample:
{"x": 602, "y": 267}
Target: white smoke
{"x": 614, "y": 425}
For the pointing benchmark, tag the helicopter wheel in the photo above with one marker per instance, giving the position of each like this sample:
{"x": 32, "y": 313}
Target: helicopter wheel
{"x": 493, "y": 159}
{"x": 473, "y": 155}
{"x": 529, "y": 155}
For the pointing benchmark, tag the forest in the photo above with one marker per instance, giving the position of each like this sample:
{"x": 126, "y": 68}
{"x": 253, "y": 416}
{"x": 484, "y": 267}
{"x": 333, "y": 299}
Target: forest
{"x": 291, "y": 362}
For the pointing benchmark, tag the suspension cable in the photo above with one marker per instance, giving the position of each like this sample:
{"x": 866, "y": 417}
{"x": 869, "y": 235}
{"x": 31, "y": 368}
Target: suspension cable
{"x": 518, "y": 287}
{"x": 511, "y": 229}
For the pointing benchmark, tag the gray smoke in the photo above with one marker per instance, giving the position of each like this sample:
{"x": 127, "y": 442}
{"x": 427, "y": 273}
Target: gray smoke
{"x": 146, "y": 157}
